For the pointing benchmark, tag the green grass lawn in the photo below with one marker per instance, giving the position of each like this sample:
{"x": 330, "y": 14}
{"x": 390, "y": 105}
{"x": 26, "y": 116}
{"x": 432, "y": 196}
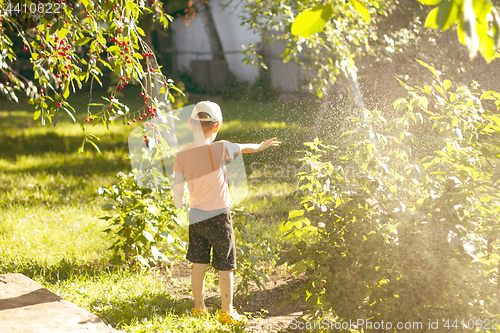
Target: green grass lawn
{"x": 49, "y": 207}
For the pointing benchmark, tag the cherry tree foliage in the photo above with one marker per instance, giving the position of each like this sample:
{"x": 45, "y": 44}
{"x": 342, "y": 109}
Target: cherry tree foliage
{"x": 72, "y": 42}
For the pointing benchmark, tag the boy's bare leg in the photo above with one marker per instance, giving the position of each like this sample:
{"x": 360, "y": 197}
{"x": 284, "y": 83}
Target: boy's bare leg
{"x": 226, "y": 283}
{"x": 198, "y": 285}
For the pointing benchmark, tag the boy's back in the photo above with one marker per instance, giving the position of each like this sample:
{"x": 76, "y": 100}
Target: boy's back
{"x": 204, "y": 170}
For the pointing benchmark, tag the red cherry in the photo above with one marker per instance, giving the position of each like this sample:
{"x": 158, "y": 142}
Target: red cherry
{"x": 121, "y": 87}
{"x": 111, "y": 108}
{"x": 58, "y": 76}
{"x": 145, "y": 98}
{"x": 152, "y": 114}
{"x": 126, "y": 82}
{"x": 154, "y": 109}
{"x": 128, "y": 123}
{"x": 140, "y": 118}
{"x": 91, "y": 119}
{"x": 142, "y": 94}
{"x": 111, "y": 97}
{"x": 128, "y": 77}
{"x": 123, "y": 79}
{"x": 133, "y": 120}
{"x": 144, "y": 115}
{"x": 151, "y": 70}
{"x": 86, "y": 120}
{"x": 59, "y": 104}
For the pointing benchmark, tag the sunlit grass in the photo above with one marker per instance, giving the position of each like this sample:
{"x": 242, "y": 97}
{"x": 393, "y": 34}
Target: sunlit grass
{"x": 47, "y": 235}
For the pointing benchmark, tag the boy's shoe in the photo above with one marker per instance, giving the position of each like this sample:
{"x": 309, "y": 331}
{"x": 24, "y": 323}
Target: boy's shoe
{"x": 232, "y": 319}
{"x": 198, "y": 312}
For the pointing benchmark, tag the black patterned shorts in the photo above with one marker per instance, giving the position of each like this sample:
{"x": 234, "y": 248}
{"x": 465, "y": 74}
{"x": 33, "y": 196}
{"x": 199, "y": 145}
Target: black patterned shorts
{"x": 214, "y": 233}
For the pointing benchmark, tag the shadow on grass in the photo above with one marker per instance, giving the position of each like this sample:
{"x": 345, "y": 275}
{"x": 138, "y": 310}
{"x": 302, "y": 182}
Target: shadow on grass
{"x": 39, "y": 144}
{"x": 58, "y": 272}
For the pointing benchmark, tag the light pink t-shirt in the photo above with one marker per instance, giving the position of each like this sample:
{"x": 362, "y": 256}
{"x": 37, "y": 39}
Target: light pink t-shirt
{"x": 205, "y": 173}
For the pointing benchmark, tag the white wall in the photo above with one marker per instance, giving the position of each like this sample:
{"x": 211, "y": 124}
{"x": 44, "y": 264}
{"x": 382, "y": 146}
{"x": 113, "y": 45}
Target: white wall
{"x": 191, "y": 42}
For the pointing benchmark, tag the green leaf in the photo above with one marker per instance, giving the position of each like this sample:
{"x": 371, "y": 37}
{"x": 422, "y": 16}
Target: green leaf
{"x": 446, "y": 84}
{"x": 361, "y": 10}
{"x": 95, "y": 146}
{"x": 429, "y": 2}
{"x": 486, "y": 43}
{"x": 37, "y": 114}
{"x": 431, "y": 68}
{"x": 447, "y": 15}
{"x": 118, "y": 69}
{"x": 140, "y": 31}
{"x": 68, "y": 111}
{"x": 312, "y": 21}
{"x": 113, "y": 48}
{"x": 295, "y": 213}
{"x": 66, "y": 91}
{"x": 431, "y": 20}
{"x": 83, "y": 41}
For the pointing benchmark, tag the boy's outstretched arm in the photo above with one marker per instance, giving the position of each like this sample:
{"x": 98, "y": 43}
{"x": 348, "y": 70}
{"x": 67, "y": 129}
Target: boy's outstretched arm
{"x": 179, "y": 190}
{"x": 246, "y": 148}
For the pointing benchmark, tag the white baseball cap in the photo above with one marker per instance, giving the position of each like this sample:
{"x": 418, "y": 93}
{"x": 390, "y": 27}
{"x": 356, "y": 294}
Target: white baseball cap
{"x": 213, "y": 110}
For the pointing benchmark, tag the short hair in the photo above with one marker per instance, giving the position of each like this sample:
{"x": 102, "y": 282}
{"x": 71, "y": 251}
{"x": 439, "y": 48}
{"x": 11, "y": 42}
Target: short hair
{"x": 205, "y": 125}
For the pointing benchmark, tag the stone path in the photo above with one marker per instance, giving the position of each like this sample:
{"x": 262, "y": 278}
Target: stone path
{"x": 27, "y": 307}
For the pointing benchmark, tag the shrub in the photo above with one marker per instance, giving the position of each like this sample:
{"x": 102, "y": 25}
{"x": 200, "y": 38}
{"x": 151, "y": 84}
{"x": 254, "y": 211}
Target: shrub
{"x": 256, "y": 251}
{"x": 408, "y": 232}
{"x": 144, "y": 218}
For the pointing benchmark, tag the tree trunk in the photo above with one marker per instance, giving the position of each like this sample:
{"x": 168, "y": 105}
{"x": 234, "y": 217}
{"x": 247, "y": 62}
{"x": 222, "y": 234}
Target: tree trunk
{"x": 219, "y": 73}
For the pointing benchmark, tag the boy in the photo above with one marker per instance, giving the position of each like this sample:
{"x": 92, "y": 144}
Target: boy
{"x": 202, "y": 163}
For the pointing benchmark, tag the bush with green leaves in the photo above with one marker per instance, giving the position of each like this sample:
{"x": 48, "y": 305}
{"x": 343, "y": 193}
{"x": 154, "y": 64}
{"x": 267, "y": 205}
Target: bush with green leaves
{"x": 145, "y": 222}
{"x": 408, "y": 232}
{"x": 257, "y": 252}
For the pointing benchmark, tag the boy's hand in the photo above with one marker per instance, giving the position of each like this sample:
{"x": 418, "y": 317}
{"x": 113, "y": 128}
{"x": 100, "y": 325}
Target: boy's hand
{"x": 269, "y": 143}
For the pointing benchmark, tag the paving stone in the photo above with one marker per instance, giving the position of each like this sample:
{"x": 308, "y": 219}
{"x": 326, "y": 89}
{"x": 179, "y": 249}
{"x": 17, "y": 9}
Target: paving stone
{"x": 27, "y": 307}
